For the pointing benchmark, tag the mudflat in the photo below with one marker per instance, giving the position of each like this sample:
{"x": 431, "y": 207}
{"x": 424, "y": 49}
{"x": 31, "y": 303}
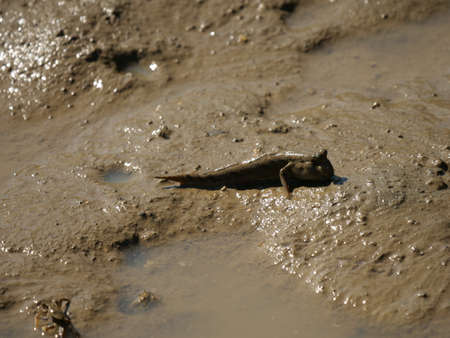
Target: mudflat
{"x": 100, "y": 97}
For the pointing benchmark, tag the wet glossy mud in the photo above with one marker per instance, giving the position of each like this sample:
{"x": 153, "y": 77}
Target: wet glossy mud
{"x": 222, "y": 286}
{"x": 225, "y": 82}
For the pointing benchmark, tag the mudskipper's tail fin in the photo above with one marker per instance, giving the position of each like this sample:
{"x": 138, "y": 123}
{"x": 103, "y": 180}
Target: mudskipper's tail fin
{"x": 182, "y": 179}
{"x": 171, "y": 178}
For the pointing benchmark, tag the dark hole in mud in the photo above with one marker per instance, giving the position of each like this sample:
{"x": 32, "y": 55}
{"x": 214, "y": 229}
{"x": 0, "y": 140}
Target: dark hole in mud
{"x": 289, "y": 6}
{"x": 94, "y": 56}
{"x": 116, "y": 175}
{"x": 123, "y": 60}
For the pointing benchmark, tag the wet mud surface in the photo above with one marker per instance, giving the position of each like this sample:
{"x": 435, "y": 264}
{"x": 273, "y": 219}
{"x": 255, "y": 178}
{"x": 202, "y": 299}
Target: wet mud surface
{"x": 99, "y": 97}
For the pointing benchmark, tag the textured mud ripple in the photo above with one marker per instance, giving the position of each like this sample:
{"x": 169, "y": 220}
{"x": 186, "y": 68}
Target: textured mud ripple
{"x": 362, "y": 249}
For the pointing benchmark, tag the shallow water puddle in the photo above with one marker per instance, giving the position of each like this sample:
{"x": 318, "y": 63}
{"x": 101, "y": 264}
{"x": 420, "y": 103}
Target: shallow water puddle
{"x": 224, "y": 286}
{"x": 416, "y": 54}
{"x": 117, "y": 175}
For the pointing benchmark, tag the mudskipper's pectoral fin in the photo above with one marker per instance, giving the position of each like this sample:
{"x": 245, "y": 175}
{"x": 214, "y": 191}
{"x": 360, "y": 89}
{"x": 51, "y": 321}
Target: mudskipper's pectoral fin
{"x": 284, "y": 176}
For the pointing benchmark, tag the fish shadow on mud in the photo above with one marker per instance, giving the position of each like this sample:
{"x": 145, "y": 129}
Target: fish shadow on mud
{"x": 269, "y": 184}
{"x": 338, "y": 180}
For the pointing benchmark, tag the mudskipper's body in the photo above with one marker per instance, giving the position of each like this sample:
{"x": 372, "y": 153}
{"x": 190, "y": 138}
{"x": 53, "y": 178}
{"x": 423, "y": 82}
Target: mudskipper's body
{"x": 289, "y": 169}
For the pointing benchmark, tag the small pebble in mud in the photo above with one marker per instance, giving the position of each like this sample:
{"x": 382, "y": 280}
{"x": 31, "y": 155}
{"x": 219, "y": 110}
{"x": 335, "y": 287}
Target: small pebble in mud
{"x": 375, "y": 105}
{"x": 148, "y": 235}
{"x": 50, "y": 117}
{"x": 204, "y": 26}
{"x": 416, "y": 250}
{"x": 242, "y": 38}
{"x": 163, "y": 131}
{"x": 422, "y": 294}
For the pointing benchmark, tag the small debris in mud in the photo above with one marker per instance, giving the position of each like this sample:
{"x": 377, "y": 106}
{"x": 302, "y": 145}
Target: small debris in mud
{"x": 148, "y": 235}
{"x": 163, "y": 131}
{"x": 330, "y": 126}
{"x": 52, "y": 318}
{"x": 145, "y": 299}
{"x": 279, "y": 128}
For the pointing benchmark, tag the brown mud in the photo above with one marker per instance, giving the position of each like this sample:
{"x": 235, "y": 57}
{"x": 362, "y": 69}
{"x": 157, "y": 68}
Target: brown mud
{"x": 144, "y": 88}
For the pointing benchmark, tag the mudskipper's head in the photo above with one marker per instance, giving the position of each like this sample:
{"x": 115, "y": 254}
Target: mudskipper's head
{"x": 323, "y": 165}
{"x": 317, "y": 170}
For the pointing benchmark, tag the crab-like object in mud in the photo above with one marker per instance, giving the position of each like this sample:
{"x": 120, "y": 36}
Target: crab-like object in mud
{"x": 145, "y": 298}
{"x": 53, "y": 320}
